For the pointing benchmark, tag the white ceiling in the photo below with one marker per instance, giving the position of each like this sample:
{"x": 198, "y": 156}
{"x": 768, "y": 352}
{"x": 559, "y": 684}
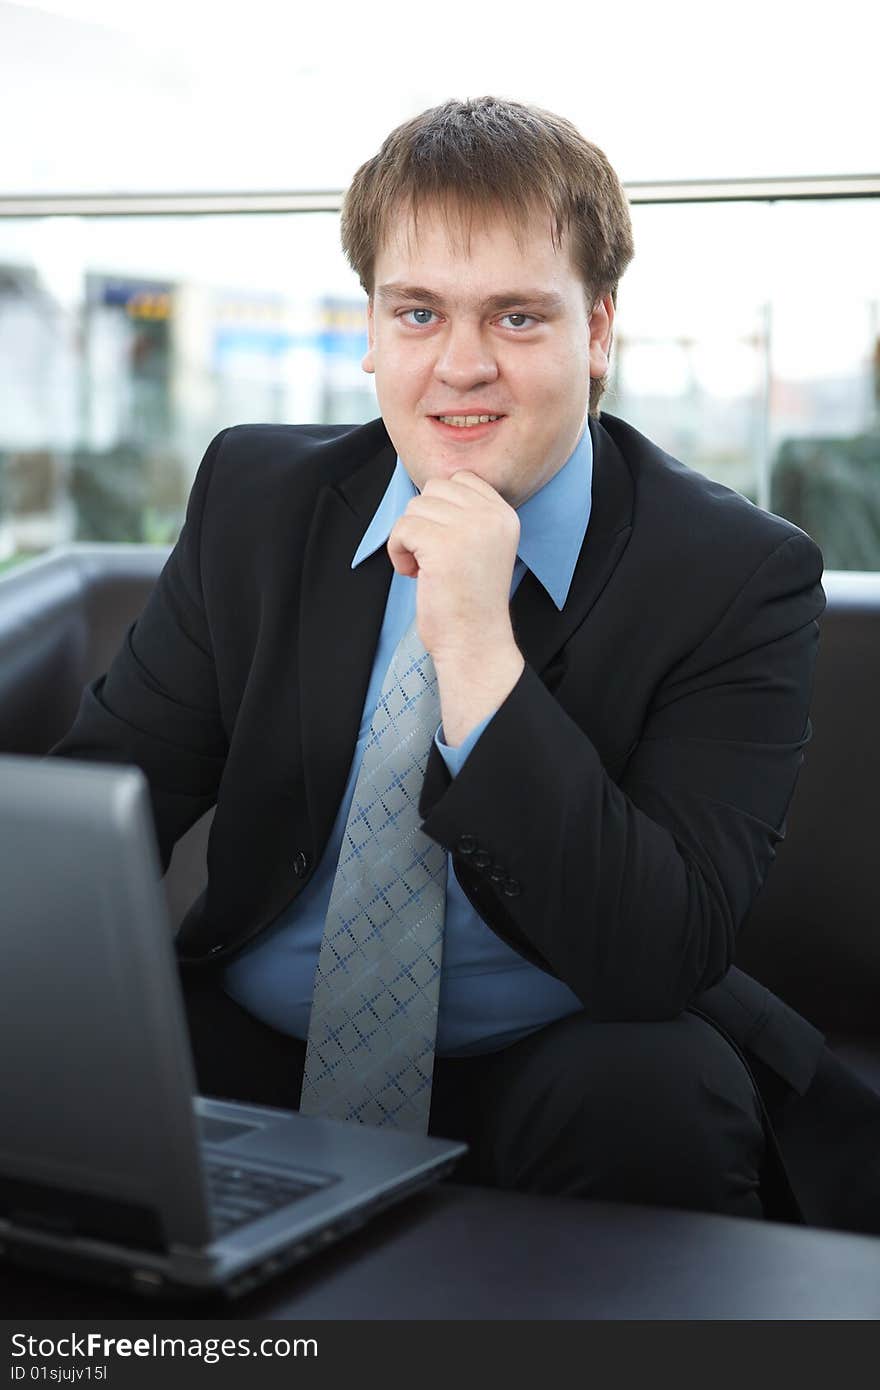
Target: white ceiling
{"x": 183, "y": 95}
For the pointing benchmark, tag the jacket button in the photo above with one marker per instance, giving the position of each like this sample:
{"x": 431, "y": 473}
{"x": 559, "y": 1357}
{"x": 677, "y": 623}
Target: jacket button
{"x": 482, "y": 859}
{"x": 215, "y": 950}
{"x": 300, "y": 863}
{"x": 466, "y": 844}
{"x": 511, "y": 887}
{"x": 497, "y": 874}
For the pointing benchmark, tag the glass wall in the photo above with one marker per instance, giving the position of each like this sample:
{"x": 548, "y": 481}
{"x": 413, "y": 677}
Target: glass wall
{"x": 749, "y": 347}
{"x": 747, "y": 344}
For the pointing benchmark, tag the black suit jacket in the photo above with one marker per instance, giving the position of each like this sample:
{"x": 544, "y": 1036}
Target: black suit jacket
{"x": 620, "y": 812}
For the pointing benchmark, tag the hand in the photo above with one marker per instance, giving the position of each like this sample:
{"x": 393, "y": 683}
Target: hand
{"x": 458, "y": 538}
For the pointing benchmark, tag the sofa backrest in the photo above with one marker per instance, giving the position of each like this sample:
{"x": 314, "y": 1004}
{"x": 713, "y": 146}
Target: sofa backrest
{"x": 813, "y": 934}
{"x": 61, "y": 619}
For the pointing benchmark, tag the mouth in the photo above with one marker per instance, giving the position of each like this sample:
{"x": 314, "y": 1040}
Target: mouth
{"x": 465, "y": 422}
{"x": 466, "y": 427}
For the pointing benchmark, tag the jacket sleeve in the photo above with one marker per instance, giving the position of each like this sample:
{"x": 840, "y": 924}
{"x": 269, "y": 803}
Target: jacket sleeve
{"x": 157, "y": 706}
{"x": 632, "y": 892}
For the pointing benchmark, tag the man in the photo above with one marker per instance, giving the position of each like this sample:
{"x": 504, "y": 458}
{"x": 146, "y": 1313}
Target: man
{"x": 615, "y": 656}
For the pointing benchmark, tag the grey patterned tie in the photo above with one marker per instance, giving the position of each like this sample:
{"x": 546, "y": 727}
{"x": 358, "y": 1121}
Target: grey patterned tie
{"x": 373, "y": 1021}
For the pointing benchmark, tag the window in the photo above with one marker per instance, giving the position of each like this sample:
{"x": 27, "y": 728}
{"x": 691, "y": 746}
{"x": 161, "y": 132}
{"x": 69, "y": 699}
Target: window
{"x": 747, "y": 344}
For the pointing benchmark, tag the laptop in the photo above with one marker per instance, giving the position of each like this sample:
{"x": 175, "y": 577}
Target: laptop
{"x": 111, "y": 1166}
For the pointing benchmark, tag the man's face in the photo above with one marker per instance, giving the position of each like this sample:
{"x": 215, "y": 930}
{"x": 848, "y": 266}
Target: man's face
{"x": 501, "y": 328}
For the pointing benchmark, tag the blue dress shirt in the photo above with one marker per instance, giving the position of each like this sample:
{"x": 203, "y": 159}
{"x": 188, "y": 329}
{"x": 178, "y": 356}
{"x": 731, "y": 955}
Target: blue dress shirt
{"x": 489, "y": 995}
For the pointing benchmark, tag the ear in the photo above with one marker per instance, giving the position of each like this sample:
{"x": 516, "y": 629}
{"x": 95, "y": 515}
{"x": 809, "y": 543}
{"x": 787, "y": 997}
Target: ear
{"x": 367, "y": 362}
{"x": 601, "y": 332}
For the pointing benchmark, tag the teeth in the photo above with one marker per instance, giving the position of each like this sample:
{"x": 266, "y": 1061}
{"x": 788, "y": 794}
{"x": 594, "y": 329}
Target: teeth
{"x": 462, "y": 421}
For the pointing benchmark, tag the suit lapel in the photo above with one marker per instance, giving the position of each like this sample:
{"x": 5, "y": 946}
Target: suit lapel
{"x": 540, "y": 629}
{"x": 340, "y": 620}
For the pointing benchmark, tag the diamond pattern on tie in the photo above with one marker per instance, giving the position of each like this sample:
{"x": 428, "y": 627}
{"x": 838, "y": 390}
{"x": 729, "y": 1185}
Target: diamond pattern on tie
{"x": 373, "y": 1022}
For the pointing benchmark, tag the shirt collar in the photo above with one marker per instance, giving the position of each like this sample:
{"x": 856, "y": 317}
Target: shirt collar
{"x": 553, "y": 522}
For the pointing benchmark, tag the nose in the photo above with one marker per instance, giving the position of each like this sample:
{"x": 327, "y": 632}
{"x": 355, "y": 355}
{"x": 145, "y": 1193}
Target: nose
{"x": 465, "y": 359}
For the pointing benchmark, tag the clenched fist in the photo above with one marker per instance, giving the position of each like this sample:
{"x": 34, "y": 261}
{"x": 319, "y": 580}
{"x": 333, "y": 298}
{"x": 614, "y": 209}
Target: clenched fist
{"x": 458, "y": 539}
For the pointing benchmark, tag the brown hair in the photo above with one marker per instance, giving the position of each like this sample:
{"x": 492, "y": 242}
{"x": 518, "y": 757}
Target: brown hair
{"x": 486, "y": 155}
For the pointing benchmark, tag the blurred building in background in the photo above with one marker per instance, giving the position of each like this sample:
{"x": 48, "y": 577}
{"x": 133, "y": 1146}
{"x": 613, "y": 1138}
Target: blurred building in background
{"x": 125, "y": 347}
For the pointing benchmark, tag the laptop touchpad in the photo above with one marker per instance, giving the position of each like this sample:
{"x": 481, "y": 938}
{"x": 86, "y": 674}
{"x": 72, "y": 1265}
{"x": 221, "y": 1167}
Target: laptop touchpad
{"x": 220, "y": 1131}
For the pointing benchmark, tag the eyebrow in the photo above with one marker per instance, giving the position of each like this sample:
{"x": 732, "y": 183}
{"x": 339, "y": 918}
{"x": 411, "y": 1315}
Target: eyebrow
{"x": 535, "y": 299}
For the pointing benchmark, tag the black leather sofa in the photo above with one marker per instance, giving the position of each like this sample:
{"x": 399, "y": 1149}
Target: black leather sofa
{"x": 813, "y": 936}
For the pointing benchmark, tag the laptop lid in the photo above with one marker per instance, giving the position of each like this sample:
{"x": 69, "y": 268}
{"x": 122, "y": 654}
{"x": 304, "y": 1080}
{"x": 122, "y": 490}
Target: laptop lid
{"x": 83, "y": 917}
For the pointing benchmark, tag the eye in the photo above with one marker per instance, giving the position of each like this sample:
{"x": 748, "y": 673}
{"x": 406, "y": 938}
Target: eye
{"x": 420, "y": 317}
{"x": 517, "y": 320}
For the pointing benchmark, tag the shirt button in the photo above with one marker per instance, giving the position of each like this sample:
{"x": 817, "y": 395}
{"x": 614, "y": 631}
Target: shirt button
{"x": 466, "y": 844}
{"x": 482, "y": 859}
{"x": 511, "y": 887}
{"x": 300, "y": 863}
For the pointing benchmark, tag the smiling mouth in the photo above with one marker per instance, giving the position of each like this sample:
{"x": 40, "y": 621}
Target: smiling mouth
{"x": 465, "y": 422}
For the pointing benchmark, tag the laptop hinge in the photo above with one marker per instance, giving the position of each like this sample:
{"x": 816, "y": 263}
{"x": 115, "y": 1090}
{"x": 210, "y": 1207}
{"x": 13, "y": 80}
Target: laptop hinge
{"x": 67, "y": 1213}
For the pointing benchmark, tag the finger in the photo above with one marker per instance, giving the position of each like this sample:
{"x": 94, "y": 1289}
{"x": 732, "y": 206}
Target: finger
{"x": 446, "y": 488}
{"x": 465, "y": 478}
{"x": 444, "y": 511}
{"x": 402, "y": 559}
{"x": 408, "y": 535}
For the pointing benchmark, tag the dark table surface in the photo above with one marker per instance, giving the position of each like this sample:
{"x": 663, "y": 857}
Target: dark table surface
{"x": 463, "y": 1252}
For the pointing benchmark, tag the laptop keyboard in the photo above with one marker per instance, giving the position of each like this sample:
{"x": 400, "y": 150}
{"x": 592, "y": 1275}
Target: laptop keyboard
{"x": 238, "y": 1195}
